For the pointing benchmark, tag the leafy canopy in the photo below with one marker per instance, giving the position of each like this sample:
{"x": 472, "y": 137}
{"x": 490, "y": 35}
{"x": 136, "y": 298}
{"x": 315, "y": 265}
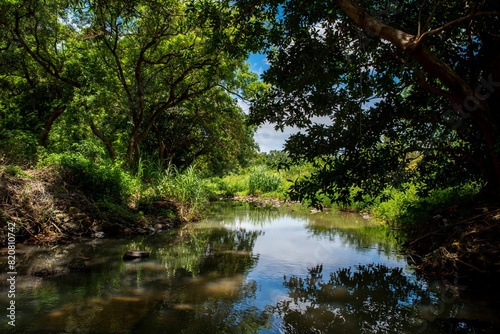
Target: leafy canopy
{"x": 406, "y": 90}
{"x": 119, "y": 75}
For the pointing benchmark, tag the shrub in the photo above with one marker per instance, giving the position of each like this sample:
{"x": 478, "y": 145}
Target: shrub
{"x": 400, "y": 206}
{"x": 17, "y": 147}
{"x": 230, "y": 185}
{"x": 406, "y": 206}
{"x": 263, "y": 181}
{"x": 107, "y": 181}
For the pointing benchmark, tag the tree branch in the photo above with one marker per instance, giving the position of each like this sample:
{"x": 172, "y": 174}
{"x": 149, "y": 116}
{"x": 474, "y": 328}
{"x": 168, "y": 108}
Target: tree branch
{"x": 46, "y": 65}
{"x": 432, "y": 15}
{"x": 433, "y": 65}
{"x": 44, "y": 135}
{"x": 104, "y": 139}
{"x": 453, "y": 23}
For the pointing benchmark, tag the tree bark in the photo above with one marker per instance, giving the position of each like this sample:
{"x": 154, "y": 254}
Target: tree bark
{"x": 133, "y": 151}
{"x": 104, "y": 139}
{"x": 44, "y": 136}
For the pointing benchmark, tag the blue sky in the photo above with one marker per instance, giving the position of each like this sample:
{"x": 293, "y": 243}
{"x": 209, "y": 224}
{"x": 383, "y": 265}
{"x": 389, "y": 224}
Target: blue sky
{"x": 267, "y": 138}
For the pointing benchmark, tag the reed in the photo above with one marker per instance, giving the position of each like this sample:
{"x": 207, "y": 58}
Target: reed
{"x": 262, "y": 180}
{"x": 187, "y": 188}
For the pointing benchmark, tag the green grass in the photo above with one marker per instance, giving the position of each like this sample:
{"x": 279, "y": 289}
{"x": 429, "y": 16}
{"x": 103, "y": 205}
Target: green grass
{"x": 407, "y": 207}
{"x": 188, "y": 188}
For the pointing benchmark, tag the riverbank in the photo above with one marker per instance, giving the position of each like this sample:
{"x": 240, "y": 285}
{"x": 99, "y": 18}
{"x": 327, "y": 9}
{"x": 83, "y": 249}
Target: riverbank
{"x": 264, "y": 201}
{"x": 43, "y": 208}
{"x": 459, "y": 243}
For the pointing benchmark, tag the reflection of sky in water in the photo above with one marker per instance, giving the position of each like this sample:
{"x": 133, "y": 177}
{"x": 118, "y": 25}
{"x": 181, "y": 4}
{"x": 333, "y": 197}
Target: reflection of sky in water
{"x": 288, "y": 248}
{"x": 227, "y": 275}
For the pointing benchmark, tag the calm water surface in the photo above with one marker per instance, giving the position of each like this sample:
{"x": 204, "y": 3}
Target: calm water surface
{"x": 242, "y": 270}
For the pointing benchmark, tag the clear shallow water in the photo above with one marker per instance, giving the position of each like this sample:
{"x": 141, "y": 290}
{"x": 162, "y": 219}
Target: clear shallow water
{"x": 243, "y": 270}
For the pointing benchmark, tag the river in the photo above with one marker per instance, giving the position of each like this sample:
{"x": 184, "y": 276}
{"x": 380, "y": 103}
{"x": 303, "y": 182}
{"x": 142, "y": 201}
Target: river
{"x": 241, "y": 270}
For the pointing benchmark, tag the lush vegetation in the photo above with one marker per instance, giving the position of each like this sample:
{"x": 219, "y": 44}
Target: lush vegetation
{"x": 406, "y": 91}
{"x": 134, "y": 103}
{"x": 123, "y": 99}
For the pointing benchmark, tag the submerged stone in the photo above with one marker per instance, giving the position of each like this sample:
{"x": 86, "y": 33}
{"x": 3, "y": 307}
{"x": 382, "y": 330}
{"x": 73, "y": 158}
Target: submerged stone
{"x": 135, "y": 254}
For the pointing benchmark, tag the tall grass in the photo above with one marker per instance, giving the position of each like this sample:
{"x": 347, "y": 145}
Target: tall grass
{"x": 262, "y": 180}
{"x": 188, "y": 188}
{"x": 258, "y": 180}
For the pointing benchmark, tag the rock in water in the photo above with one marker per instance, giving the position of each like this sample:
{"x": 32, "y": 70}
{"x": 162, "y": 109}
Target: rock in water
{"x": 135, "y": 254}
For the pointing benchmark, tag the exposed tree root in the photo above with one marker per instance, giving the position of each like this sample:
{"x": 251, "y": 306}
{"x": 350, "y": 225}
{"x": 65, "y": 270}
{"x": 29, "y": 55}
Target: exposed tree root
{"x": 457, "y": 245}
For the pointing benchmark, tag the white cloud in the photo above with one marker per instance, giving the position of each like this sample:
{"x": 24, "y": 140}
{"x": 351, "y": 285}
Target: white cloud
{"x": 269, "y": 139}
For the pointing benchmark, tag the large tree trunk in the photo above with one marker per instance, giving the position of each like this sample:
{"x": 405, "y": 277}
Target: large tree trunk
{"x": 104, "y": 139}
{"x": 44, "y": 136}
{"x": 133, "y": 151}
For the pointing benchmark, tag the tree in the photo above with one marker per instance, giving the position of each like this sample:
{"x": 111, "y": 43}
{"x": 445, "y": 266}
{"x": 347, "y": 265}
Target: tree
{"x": 31, "y": 98}
{"x": 399, "y": 80}
{"x": 125, "y": 65}
{"x": 210, "y": 131}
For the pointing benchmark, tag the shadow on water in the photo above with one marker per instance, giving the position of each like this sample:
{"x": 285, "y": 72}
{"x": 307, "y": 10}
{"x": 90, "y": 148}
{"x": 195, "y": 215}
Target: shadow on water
{"x": 243, "y": 270}
{"x": 375, "y": 299}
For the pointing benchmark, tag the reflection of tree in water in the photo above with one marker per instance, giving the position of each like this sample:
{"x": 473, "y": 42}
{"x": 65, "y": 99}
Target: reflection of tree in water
{"x": 224, "y": 250}
{"x": 361, "y": 238}
{"x": 209, "y": 292}
{"x": 370, "y": 299}
{"x": 230, "y": 251}
{"x": 234, "y": 212}
{"x": 196, "y": 285}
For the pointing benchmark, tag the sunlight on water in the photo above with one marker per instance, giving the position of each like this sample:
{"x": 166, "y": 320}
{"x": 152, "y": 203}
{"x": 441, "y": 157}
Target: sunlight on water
{"x": 243, "y": 270}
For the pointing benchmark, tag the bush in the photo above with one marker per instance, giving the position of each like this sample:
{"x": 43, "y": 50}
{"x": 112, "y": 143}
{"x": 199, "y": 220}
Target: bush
{"x": 99, "y": 182}
{"x": 17, "y": 147}
{"x": 263, "y": 181}
{"x": 400, "y": 207}
{"x": 188, "y": 188}
{"x": 406, "y": 206}
{"x": 230, "y": 185}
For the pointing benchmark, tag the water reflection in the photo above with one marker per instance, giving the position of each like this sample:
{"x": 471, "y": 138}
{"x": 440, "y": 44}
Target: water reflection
{"x": 244, "y": 270}
{"x": 194, "y": 281}
{"x": 372, "y": 299}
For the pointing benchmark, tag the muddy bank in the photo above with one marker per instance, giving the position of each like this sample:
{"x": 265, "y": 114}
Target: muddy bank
{"x": 461, "y": 243}
{"x": 42, "y": 209}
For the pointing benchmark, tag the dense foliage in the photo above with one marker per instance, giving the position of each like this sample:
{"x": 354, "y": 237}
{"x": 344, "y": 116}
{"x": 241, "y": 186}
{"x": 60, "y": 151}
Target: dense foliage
{"x": 126, "y": 80}
{"x": 409, "y": 91}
